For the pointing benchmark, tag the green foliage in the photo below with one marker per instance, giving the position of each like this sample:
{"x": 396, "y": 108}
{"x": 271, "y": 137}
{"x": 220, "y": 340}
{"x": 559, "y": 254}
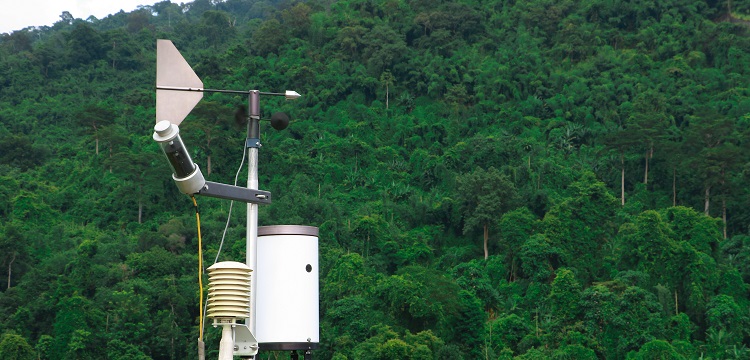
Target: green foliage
{"x": 657, "y": 349}
{"x": 387, "y": 344}
{"x": 19, "y": 151}
{"x": 611, "y": 312}
{"x": 515, "y": 228}
{"x": 507, "y": 332}
{"x": 574, "y": 352}
{"x": 599, "y": 147}
{"x": 679, "y": 328}
{"x": 565, "y": 296}
{"x": 539, "y": 258}
{"x": 724, "y": 314}
{"x": 268, "y": 38}
{"x": 346, "y": 277}
{"x": 408, "y": 301}
{"x": 487, "y": 194}
{"x": 15, "y": 347}
{"x": 581, "y": 226}
{"x": 467, "y": 327}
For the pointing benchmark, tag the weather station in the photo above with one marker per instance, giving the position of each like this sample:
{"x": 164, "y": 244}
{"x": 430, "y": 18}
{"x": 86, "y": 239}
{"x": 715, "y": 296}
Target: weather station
{"x": 271, "y": 301}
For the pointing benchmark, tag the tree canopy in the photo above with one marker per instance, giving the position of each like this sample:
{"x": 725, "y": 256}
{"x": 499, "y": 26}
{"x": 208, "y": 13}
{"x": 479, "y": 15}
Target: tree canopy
{"x": 597, "y": 148}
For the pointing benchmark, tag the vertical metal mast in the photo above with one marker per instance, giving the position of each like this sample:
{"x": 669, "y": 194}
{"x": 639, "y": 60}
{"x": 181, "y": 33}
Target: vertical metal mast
{"x": 253, "y": 144}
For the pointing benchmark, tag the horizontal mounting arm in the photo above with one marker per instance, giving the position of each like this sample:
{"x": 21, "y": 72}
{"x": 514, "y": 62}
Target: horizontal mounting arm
{"x": 231, "y": 192}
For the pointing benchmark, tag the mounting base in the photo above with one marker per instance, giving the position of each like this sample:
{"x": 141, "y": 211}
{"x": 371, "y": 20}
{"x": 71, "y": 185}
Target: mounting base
{"x": 245, "y": 344}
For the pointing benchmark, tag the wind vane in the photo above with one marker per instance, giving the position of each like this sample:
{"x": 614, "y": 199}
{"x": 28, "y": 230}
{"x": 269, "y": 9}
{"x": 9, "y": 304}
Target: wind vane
{"x": 174, "y": 73}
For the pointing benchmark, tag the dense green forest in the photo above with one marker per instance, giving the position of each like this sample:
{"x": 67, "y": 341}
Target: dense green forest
{"x": 541, "y": 179}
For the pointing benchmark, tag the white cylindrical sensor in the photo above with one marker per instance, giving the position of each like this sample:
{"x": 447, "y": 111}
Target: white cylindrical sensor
{"x": 186, "y": 174}
{"x": 286, "y": 277}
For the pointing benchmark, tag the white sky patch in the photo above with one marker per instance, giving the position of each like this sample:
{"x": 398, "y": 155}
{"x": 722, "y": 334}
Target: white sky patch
{"x": 18, "y": 14}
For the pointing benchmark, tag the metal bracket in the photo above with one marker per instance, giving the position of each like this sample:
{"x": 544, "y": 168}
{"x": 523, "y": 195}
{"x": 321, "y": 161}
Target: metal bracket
{"x": 244, "y": 342}
{"x": 253, "y": 143}
{"x": 231, "y": 192}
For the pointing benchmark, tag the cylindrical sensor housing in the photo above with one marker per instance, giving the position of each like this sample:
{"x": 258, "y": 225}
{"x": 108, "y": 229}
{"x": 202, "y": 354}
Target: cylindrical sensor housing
{"x": 170, "y": 142}
{"x": 185, "y": 172}
{"x": 287, "y": 291}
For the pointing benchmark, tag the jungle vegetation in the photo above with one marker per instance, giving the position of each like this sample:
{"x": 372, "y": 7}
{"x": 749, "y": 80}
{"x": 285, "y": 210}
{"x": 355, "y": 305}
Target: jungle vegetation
{"x": 540, "y": 179}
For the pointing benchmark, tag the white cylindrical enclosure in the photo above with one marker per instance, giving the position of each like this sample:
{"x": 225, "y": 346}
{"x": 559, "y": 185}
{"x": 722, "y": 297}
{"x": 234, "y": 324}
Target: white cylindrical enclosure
{"x": 286, "y": 291}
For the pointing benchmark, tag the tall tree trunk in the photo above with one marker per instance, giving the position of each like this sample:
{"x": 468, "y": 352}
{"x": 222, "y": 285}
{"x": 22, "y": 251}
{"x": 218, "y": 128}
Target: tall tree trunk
{"x": 539, "y": 180}
{"x": 645, "y": 174}
{"x": 208, "y": 165}
{"x": 386, "y": 97}
{"x": 674, "y": 186}
{"x": 707, "y": 199}
{"x": 622, "y": 178}
{"x": 488, "y": 344}
{"x": 96, "y": 138}
{"x": 724, "y": 215}
{"x": 486, "y": 235}
{"x": 10, "y": 267}
{"x": 140, "y": 204}
{"x": 724, "y": 201}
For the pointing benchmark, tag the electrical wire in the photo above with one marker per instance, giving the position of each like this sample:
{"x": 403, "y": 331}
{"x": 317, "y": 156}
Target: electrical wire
{"x": 226, "y": 226}
{"x": 200, "y": 269}
{"x": 231, "y": 203}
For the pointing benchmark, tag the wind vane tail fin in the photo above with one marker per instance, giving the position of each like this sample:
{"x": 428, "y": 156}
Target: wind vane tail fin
{"x": 173, "y": 71}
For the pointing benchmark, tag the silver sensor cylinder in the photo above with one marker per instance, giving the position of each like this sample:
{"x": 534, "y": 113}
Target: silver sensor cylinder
{"x": 186, "y": 174}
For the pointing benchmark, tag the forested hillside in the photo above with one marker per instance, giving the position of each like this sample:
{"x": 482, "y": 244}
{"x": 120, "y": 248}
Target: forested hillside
{"x": 541, "y": 179}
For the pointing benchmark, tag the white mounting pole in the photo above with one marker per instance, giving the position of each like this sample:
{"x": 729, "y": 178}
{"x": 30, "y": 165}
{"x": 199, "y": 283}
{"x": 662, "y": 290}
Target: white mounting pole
{"x": 226, "y": 346}
{"x": 253, "y": 143}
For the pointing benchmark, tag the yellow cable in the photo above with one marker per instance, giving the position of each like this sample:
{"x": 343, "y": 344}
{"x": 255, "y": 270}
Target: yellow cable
{"x": 200, "y": 270}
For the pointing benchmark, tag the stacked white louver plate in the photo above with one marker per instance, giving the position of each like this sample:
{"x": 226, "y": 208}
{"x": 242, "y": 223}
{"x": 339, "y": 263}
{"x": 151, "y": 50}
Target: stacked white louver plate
{"x": 228, "y": 290}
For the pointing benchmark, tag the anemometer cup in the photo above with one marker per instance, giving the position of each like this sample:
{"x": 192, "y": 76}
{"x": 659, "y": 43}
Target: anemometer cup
{"x": 279, "y": 121}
